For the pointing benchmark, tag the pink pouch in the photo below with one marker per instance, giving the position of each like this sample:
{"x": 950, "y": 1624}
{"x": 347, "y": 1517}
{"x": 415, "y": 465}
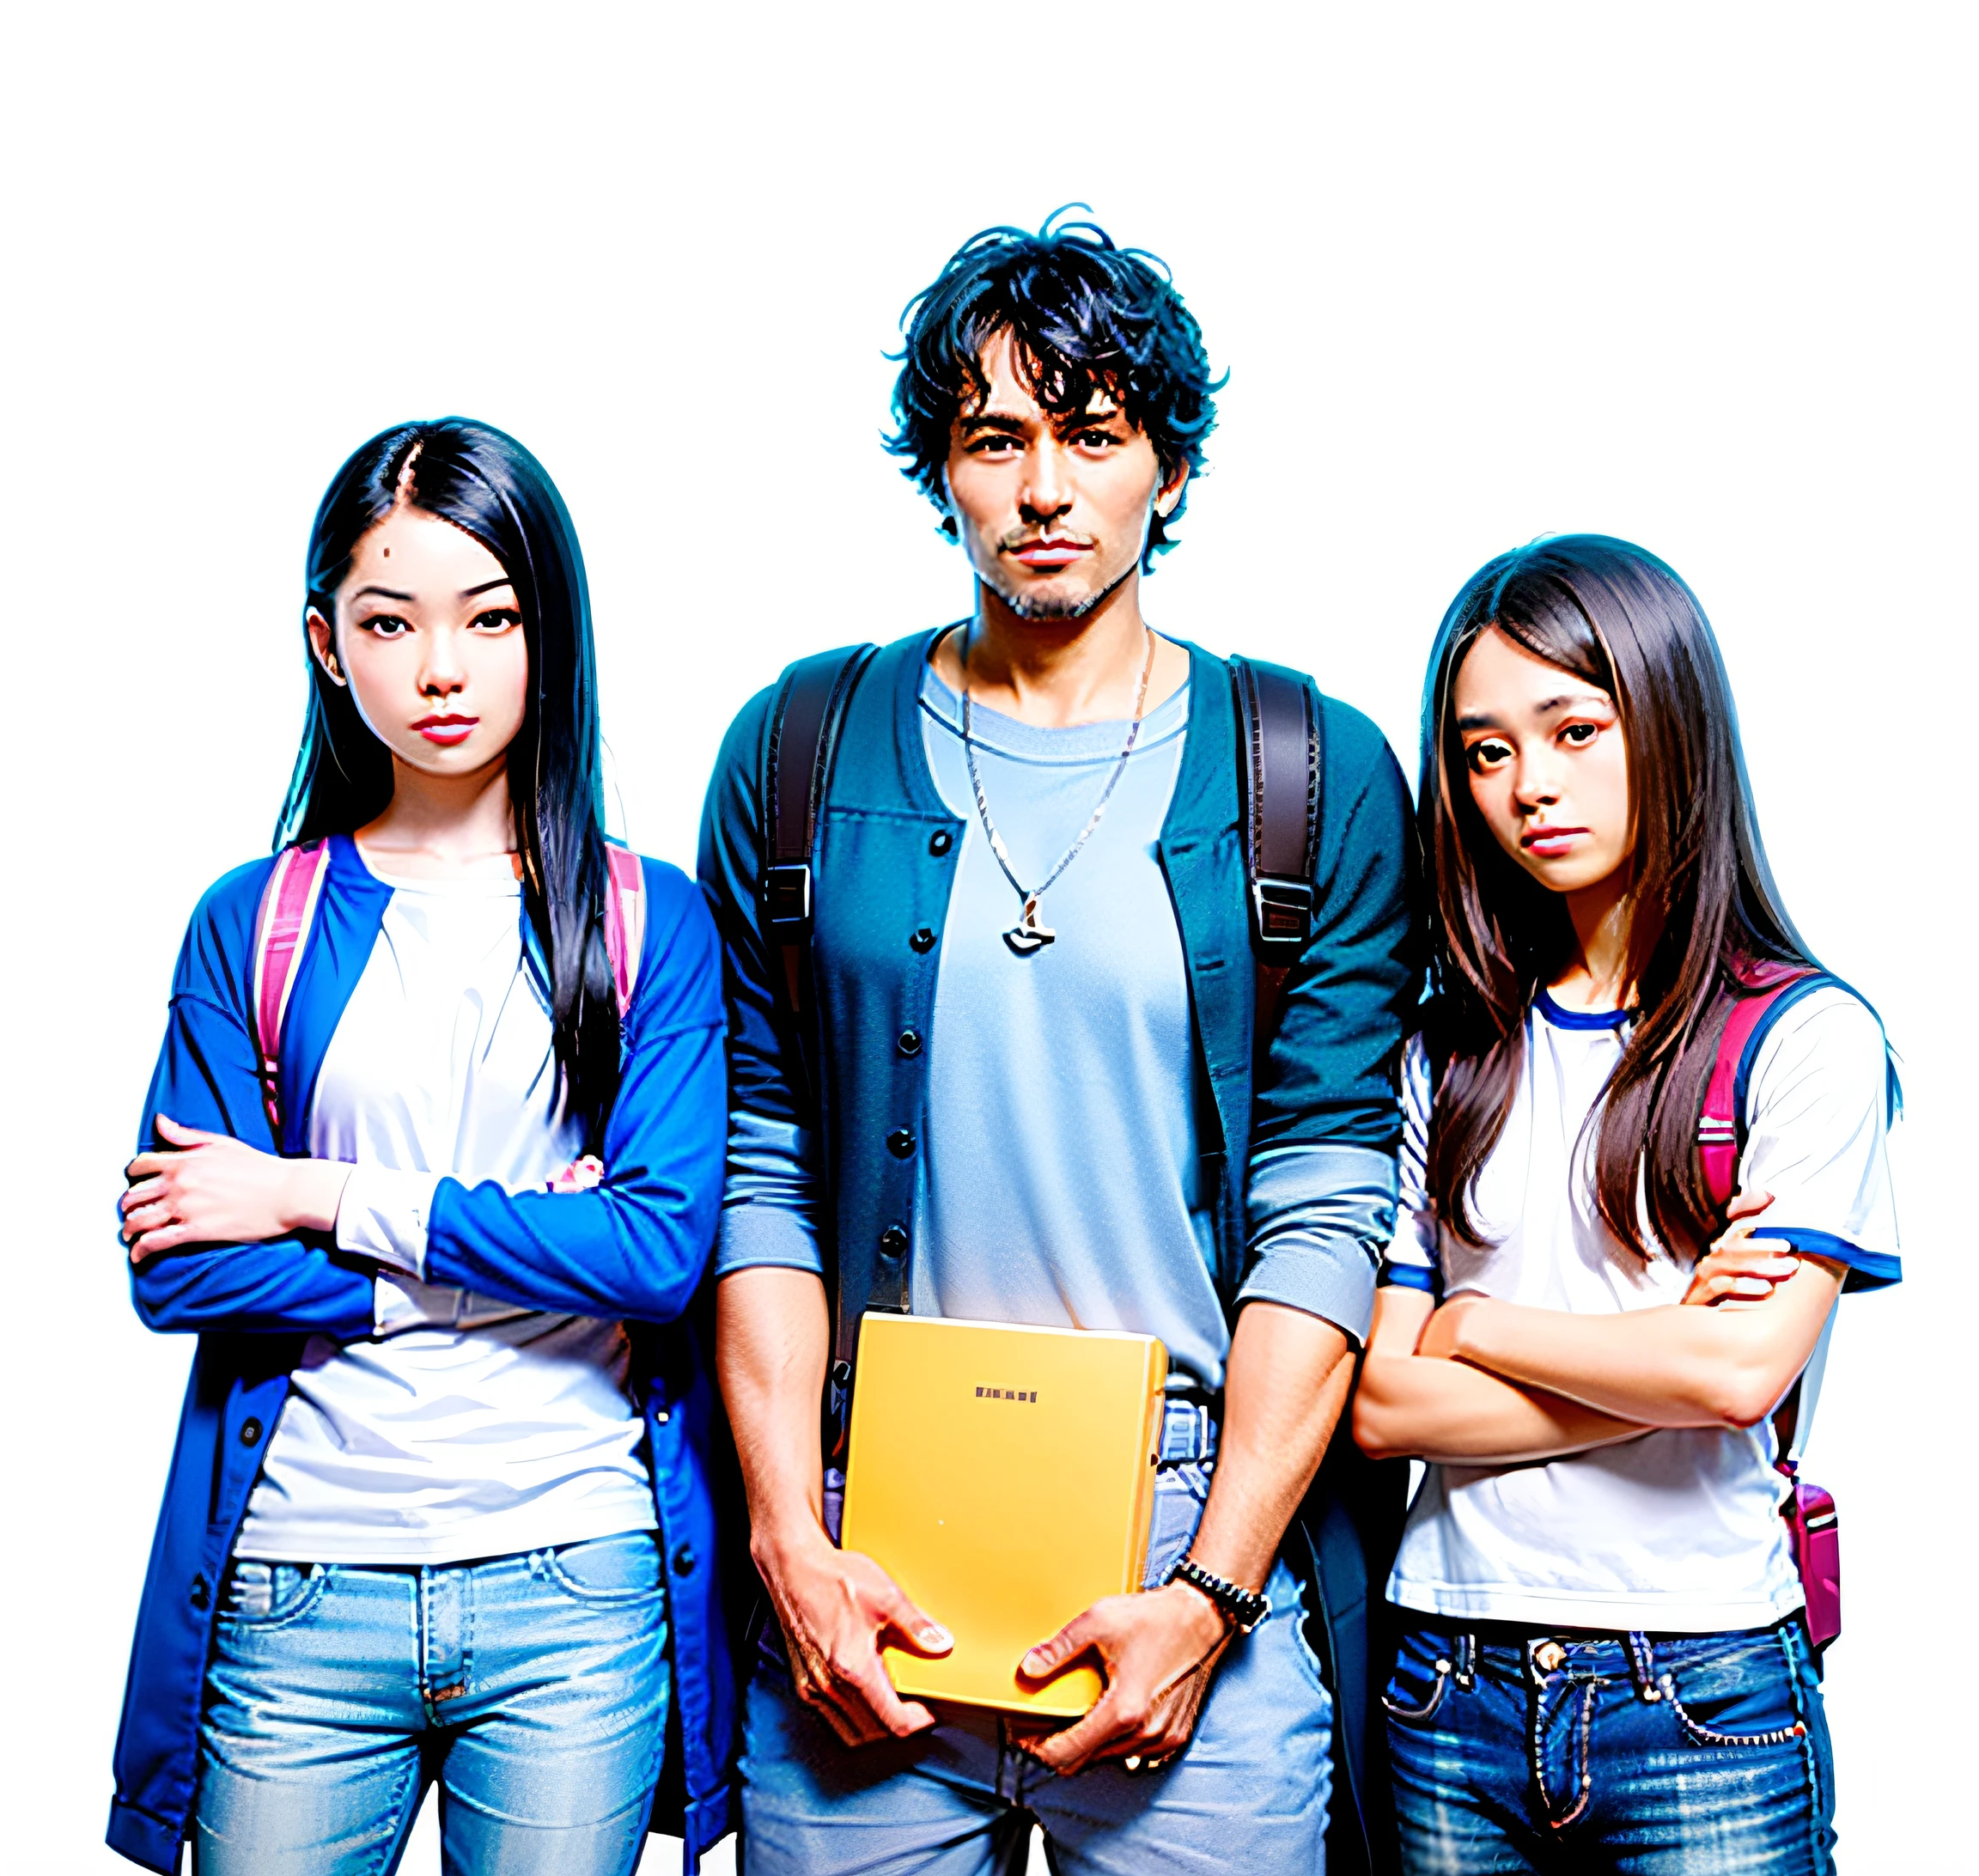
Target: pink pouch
{"x": 1815, "y": 1531}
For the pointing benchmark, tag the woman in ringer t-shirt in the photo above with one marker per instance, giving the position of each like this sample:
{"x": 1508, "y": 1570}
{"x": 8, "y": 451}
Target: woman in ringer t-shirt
{"x": 443, "y": 1418}
{"x": 1604, "y": 1664}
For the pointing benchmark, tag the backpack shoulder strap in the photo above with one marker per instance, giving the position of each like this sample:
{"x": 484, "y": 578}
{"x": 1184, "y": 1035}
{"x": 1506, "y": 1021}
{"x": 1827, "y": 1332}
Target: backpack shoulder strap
{"x": 625, "y": 919}
{"x": 281, "y": 925}
{"x": 1280, "y": 752}
{"x": 1721, "y": 1119}
{"x": 804, "y": 723}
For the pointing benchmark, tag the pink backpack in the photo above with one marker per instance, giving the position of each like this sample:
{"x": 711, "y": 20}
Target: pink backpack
{"x": 288, "y": 904}
{"x": 1812, "y": 1523}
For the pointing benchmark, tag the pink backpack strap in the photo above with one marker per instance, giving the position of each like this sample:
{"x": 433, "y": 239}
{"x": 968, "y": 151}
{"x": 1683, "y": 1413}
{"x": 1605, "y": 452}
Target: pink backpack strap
{"x": 281, "y": 932}
{"x": 625, "y": 919}
{"x": 1721, "y": 1126}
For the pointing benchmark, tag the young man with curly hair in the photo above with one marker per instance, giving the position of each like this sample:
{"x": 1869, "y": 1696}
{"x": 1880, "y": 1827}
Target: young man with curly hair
{"x": 1031, "y": 991}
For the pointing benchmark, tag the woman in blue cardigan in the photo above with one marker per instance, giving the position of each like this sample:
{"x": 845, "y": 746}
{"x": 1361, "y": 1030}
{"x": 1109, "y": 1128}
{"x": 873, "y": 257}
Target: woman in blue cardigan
{"x": 439, "y": 1507}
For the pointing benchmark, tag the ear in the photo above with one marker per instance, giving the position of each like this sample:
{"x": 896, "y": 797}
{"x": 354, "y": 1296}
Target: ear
{"x": 1170, "y": 493}
{"x": 323, "y": 645}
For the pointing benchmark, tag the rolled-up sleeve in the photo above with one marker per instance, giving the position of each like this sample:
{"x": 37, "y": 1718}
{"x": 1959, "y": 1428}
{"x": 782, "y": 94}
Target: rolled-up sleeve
{"x": 384, "y": 1215}
{"x": 768, "y": 1197}
{"x": 1318, "y": 1218}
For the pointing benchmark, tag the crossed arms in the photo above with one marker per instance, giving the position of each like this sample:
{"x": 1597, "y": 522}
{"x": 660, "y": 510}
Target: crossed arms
{"x": 1479, "y": 1382}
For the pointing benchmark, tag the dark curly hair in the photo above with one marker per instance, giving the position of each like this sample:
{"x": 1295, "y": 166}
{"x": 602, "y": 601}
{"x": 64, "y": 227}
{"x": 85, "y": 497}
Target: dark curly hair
{"x": 1085, "y": 316}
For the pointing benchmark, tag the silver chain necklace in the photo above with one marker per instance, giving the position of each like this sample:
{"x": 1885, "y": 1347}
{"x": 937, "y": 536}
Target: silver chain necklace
{"x": 1027, "y": 935}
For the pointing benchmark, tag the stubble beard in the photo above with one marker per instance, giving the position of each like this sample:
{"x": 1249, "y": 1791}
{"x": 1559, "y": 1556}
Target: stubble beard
{"x": 1041, "y": 610}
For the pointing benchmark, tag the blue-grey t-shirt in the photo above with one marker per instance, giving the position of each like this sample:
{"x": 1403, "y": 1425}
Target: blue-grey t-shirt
{"x": 1065, "y": 1110}
{"x": 1063, "y": 1184}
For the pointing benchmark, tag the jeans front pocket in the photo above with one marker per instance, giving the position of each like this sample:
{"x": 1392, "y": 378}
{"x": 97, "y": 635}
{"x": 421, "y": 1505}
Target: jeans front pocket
{"x": 1739, "y": 1693}
{"x": 1424, "y": 1668}
{"x": 608, "y": 1572}
{"x": 259, "y": 1595}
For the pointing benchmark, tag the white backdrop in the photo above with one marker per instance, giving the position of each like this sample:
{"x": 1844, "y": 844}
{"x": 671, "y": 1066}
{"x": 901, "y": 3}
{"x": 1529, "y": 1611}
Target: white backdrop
{"x": 1691, "y": 274}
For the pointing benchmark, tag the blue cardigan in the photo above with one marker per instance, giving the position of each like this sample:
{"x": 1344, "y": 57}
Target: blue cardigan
{"x": 634, "y": 1248}
{"x": 884, "y": 871}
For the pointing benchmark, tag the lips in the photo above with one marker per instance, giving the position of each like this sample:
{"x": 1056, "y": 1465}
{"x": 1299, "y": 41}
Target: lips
{"x": 1549, "y": 843}
{"x": 446, "y": 729}
{"x": 1051, "y": 552}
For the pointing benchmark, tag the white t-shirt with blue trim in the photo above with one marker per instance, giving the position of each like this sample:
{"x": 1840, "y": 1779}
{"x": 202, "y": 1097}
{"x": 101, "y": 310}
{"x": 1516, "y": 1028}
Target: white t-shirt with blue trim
{"x": 1679, "y": 1530}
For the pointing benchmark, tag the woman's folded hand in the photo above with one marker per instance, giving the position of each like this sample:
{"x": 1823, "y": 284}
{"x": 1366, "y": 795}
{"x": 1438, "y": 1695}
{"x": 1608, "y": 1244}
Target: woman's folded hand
{"x": 212, "y": 1189}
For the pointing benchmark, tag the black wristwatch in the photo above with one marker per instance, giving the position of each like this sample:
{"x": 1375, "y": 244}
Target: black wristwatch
{"x": 1243, "y": 1609}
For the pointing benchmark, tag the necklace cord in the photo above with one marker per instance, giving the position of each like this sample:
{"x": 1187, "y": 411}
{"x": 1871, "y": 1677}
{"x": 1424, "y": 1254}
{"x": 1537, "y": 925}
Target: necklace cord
{"x": 1071, "y": 853}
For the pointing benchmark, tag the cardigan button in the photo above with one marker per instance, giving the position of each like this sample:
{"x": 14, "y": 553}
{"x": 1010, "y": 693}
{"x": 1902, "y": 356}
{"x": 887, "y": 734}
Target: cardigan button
{"x": 922, "y": 940}
{"x": 250, "y": 1431}
{"x": 201, "y": 1593}
{"x": 909, "y": 1042}
{"x": 940, "y": 842}
{"x": 900, "y": 1142}
{"x": 893, "y": 1242}
{"x": 683, "y": 1560}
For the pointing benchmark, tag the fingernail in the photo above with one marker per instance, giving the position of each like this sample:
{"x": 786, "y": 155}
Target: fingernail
{"x": 934, "y": 1637}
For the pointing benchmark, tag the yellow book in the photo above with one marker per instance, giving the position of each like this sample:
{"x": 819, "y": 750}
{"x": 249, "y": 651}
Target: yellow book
{"x": 1003, "y": 1476}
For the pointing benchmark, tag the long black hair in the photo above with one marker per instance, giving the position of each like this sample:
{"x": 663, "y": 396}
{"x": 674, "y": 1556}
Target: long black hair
{"x": 1085, "y": 316}
{"x": 488, "y": 485}
{"x": 1705, "y": 920}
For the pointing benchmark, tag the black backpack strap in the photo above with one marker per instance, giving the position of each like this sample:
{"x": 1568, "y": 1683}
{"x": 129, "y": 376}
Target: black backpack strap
{"x": 1280, "y": 749}
{"x": 804, "y": 723}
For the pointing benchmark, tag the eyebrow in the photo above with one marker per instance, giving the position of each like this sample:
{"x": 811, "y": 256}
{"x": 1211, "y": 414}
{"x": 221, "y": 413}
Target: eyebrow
{"x": 383, "y": 593}
{"x": 1485, "y": 720}
{"x": 486, "y": 586}
{"x": 1012, "y": 426}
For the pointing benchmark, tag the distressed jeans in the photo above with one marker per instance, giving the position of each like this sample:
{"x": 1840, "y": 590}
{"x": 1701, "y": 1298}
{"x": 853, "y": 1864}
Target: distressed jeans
{"x": 533, "y": 1688}
{"x": 1663, "y": 1755}
{"x": 1248, "y": 1792}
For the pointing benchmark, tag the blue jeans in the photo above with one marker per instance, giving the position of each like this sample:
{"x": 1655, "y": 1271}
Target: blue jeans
{"x": 1666, "y": 1755}
{"x": 1249, "y": 1792}
{"x": 532, "y": 1687}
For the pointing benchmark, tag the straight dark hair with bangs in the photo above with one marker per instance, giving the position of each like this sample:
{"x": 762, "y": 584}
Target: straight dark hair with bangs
{"x": 488, "y": 485}
{"x": 1085, "y": 316}
{"x": 1705, "y": 920}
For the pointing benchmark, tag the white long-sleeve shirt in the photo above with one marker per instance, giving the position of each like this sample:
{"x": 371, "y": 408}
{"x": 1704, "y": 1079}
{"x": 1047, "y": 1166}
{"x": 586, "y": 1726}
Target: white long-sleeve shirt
{"x": 466, "y": 1425}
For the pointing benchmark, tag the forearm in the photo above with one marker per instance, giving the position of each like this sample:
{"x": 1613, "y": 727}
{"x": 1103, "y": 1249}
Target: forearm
{"x": 1669, "y": 1366}
{"x": 1285, "y": 1383}
{"x": 1417, "y": 1407}
{"x": 604, "y": 1252}
{"x": 772, "y": 1340}
{"x": 286, "y": 1286}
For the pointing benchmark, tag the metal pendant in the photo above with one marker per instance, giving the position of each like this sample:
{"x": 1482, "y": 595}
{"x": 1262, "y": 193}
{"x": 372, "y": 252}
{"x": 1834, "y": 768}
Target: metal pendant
{"x": 1027, "y": 935}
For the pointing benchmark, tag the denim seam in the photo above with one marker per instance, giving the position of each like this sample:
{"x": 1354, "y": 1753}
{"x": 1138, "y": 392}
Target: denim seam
{"x": 1793, "y": 1641}
{"x": 390, "y": 1842}
{"x": 1583, "y": 1781}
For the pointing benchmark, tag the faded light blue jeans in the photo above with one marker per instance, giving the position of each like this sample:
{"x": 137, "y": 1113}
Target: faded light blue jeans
{"x": 533, "y": 1688}
{"x": 1638, "y": 1755}
{"x": 1249, "y": 1792}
